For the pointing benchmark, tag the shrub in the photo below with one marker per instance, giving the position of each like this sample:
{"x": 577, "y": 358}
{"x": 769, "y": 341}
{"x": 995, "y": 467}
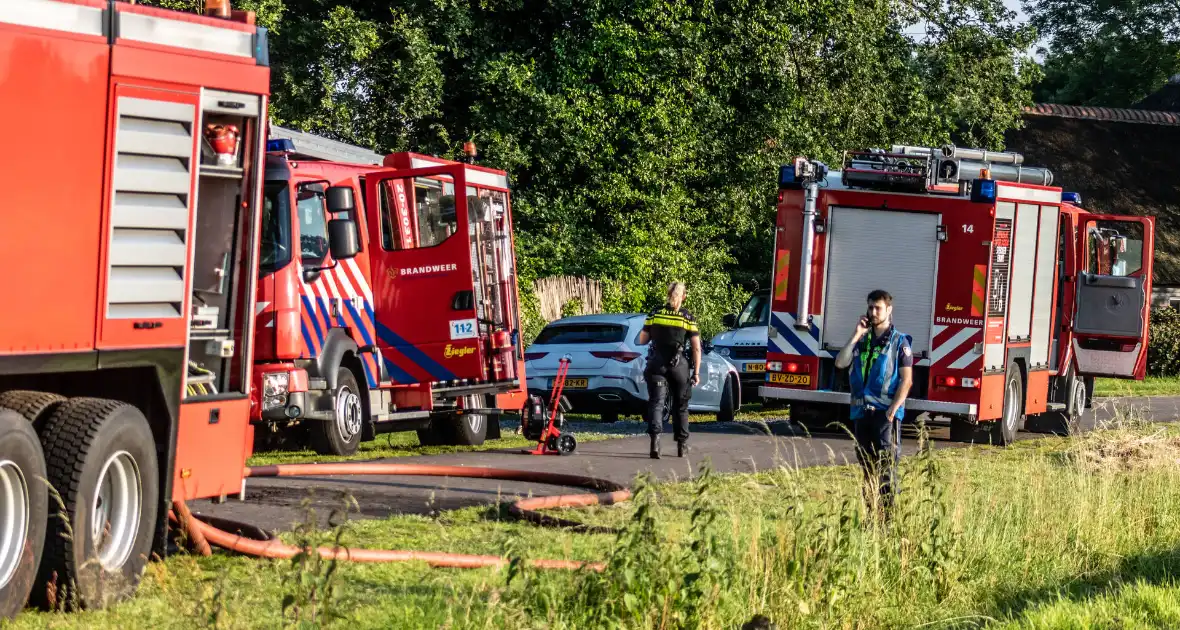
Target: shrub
{"x": 1163, "y": 351}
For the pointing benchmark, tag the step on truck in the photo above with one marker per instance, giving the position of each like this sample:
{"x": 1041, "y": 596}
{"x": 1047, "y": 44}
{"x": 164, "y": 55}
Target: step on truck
{"x": 125, "y": 347}
{"x": 1016, "y": 297}
{"x": 398, "y": 308}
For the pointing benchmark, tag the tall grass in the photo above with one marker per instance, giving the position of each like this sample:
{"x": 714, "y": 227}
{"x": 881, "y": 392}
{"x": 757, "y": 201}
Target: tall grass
{"x": 978, "y": 536}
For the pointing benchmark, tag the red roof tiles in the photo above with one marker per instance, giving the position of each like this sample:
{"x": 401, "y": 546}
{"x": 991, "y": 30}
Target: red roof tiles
{"x": 1104, "y": 113}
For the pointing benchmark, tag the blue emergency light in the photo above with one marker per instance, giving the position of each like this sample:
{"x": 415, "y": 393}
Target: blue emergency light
{"x": 280, "y": 144}
{"x": 983, "y": 191}
{"x": 1071, "y": 197}
{"x": 786, "y": 176}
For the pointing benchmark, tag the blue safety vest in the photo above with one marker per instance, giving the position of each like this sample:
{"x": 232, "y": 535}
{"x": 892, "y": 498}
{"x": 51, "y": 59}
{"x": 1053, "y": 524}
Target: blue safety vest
{"x": 876, "y": 390}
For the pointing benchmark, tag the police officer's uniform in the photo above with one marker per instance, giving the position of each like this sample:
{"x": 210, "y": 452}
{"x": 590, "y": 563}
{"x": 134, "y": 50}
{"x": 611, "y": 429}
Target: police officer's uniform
{"x": 668, "y": 370}
{"x": 874, "y": 376}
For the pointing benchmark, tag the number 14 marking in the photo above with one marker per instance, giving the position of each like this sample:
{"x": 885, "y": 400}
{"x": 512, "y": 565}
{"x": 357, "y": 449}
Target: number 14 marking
{"x": 968, "y": 228}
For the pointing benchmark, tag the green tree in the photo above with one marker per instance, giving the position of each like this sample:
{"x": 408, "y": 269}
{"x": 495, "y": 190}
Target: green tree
{"x": 643, "y": 137}
{"x": 1106, "y": 52}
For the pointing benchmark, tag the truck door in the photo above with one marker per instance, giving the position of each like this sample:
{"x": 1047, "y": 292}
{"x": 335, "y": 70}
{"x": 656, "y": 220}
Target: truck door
{"x": 1113, "y": 295}
{"x": 439, "y": 290}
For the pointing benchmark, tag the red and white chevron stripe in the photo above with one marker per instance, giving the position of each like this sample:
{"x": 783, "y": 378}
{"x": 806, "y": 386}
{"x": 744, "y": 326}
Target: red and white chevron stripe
{"x": 954, "y": 347}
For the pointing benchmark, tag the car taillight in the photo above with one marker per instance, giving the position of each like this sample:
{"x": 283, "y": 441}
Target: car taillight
{"x": 790, "y": 367}
{"x": 618, "y": 355}
{"x": 954, "y": 381}
{"x": 774, "y": 366}
{"x": 532, "y": 356}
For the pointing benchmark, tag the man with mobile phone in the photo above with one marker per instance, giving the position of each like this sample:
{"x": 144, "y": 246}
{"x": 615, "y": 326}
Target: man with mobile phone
{"x": 880, "y": 378}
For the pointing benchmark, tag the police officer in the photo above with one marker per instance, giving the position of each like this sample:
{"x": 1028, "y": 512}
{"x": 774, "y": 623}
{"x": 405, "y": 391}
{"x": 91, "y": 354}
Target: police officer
{"x": 880, "y": 377}
{"x": 668, "y": 372}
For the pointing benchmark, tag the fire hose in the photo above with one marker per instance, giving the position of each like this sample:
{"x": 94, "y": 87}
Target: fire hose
{"x": 202, "y": 534}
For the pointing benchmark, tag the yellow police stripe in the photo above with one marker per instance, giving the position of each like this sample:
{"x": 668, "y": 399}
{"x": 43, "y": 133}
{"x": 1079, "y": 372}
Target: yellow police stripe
{"x": 672, "y": 321}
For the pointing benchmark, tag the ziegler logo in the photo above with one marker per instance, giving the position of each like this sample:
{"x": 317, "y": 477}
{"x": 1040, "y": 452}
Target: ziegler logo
{"x": 952, "y": 307}
{"x": 452, "y": 352}
{"x": 425, "y": 270}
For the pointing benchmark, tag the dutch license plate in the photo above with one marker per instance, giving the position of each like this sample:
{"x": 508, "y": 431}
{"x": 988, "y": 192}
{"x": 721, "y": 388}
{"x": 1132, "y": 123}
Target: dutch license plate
{"x": 790, "y": 379}
{"x": 577, "y": 383}
{"x": 754, "y": 367}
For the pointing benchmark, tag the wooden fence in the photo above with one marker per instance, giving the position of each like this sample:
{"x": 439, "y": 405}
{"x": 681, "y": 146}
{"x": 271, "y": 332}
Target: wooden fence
{"x": 555, "y": 292}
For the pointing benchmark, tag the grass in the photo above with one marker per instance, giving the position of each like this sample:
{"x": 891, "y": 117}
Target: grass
{"x": 1150, "y": 386}
{"x": 1050, "y": 533}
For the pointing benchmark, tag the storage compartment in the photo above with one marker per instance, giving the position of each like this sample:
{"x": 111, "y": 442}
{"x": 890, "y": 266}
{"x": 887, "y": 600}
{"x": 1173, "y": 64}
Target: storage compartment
{"x": 880, "y": 249}
{"x": 228, "y": 179}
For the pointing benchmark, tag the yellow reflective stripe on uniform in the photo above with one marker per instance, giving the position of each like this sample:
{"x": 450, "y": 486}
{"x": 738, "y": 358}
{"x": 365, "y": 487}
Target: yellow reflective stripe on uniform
{"x": 673, "y": 321}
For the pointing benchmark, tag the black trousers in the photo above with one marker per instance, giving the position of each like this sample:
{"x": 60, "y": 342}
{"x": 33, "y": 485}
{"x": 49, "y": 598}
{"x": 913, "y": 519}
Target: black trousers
{"x": 662, "y": 382}
{"x": 878, "y": 449}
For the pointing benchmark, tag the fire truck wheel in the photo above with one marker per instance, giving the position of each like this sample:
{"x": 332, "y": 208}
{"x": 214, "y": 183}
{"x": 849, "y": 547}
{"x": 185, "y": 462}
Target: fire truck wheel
{"x": 1004, "y": 432}
{"x": 34, "y": 406}
{"x": 24, "y": 503}
{"x": 725, "y": 411}
{"x": 101, "y": 459}
{"x": 342, "y": 435}
{"x": 470, "y": 429}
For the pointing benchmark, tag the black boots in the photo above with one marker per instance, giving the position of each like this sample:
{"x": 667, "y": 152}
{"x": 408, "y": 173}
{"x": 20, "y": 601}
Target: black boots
{"x": 655, "y": 447}
{"x": 681, "y": 449}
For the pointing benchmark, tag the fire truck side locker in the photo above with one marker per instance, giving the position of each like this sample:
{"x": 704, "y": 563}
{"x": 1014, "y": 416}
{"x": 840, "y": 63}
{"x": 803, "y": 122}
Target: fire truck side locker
{"x": 110, "y": 264}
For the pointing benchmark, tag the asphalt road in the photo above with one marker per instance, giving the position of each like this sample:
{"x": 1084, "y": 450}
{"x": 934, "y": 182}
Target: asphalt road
{"x": 275, "y": 504}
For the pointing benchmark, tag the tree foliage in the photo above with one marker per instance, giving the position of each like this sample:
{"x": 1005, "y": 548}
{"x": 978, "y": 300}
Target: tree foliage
{"x": 1106, "y": 52}
{"x": 643, "y": 136}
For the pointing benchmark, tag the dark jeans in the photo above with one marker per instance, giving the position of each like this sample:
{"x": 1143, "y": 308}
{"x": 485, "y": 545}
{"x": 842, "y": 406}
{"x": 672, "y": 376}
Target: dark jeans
{"x": 664, "y": 381}
{"x": 878, "y": 443}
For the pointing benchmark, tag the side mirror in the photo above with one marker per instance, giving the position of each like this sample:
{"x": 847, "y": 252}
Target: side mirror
{"x": 706, "y": 347}
{"x": 340, "y": 199}
{"x": 343, "y": 240}
{"x": 729, "y": 320}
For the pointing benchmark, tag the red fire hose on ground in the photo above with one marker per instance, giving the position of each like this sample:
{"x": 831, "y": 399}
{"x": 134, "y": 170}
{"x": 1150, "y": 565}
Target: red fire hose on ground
{"x": 202, "y": 534}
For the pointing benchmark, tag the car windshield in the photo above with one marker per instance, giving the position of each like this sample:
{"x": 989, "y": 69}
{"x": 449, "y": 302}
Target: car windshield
{"x": 581, "y": 333}
{"x": 276, "y": 227}
{"x": 756, "y": 312}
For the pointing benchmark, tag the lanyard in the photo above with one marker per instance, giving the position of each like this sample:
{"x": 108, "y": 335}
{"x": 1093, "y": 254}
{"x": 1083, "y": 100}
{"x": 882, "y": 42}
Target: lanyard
{"x": 872, "y": 351}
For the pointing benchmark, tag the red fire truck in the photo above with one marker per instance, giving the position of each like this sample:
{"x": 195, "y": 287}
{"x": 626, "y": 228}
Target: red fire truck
{"x": 126, "y": 352}
{"x": 1015, "y": 296}
{"x": 415, "y": 327}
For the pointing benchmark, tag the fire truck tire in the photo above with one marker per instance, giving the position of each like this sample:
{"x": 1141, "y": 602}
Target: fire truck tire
{"x": 1066, "y": 422}
{"x": 342, "y": 435}
{"x": 34, "y": 406}
{"x": 24, "y": 501}
{"x": 101, "y": 460}
{"x": 726, "y": 411}
{"x": 470, "y": 429}
{"x": 1012, "y": 420}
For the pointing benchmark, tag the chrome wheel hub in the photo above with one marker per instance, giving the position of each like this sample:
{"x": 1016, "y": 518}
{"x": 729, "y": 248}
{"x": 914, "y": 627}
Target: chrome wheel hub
{"x": 114, "y": 516}
{"x": 348, "y": 413}
{"x": 14, "y": 519}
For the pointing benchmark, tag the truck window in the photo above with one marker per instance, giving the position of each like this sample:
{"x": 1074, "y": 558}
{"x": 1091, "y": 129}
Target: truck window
{"x": 275, "y": 249}
{"x": 424, "y": 219}
{"x": 756, "y": 312}
{"x": 313, "y": 228}
{"x": 1115, "y": 248}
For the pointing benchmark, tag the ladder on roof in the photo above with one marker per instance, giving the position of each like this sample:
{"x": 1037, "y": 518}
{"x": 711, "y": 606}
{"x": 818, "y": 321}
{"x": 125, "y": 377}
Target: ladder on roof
{"x": 319, "y": 148}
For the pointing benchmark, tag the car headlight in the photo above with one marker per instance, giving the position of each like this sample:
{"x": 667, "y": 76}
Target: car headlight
{"x": 276, "y": 383}
{"x": 723, "y": 351}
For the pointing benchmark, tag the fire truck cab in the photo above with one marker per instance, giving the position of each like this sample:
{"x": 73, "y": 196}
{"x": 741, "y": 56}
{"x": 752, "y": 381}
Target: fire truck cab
{"x": 1015, "y": 296}
{"x": 397, "y": 310}
{"x": 134, "y": 165}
